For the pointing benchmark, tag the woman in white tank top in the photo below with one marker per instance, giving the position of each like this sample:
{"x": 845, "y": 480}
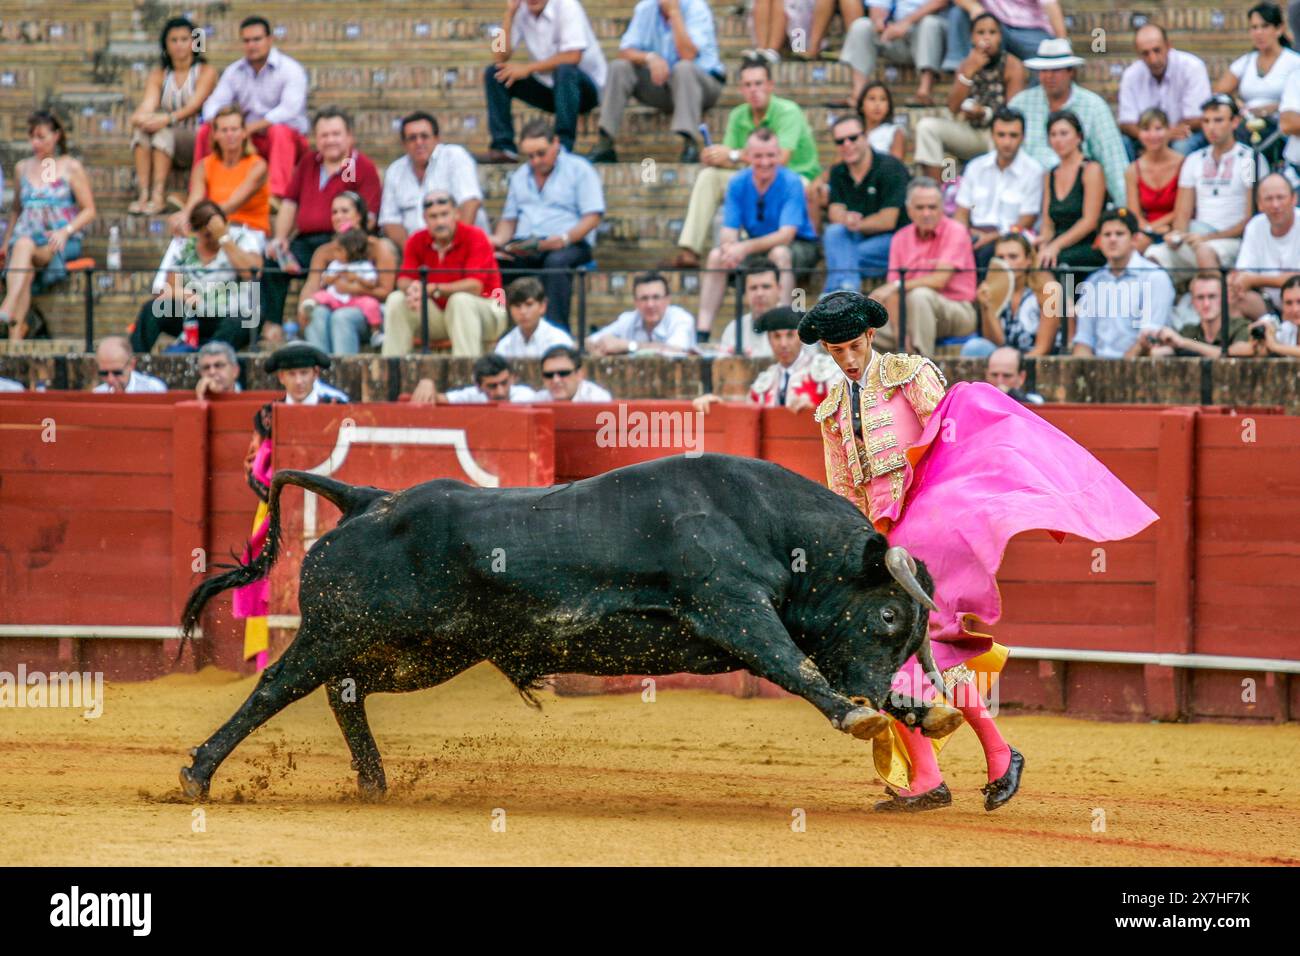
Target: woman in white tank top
{"x": 167, "y": 118}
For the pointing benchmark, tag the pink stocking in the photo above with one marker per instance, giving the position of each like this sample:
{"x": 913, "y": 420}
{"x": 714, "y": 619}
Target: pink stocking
{"x": 996, "y": 752}
{"x": 925, "y": 768}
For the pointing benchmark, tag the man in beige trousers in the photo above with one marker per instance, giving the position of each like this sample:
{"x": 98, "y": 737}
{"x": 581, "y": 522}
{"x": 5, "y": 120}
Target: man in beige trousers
{"x": 938, "y": 267}
{"x": 466, "y": 303}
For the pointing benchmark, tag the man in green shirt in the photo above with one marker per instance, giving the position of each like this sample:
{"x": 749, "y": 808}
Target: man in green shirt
{"x": 1203, "y": 338}
{"x": 720, "y": 162}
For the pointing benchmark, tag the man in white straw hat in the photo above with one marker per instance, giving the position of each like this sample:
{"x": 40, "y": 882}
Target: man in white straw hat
{"x": 1056, "y": 90}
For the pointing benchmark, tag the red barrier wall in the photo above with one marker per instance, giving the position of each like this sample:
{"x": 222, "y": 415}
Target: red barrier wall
{"x": 81, "y": 488}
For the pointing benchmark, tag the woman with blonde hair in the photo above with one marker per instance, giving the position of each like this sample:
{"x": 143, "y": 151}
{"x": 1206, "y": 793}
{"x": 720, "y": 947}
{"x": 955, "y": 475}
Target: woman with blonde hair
{"x": 233, "y": 176}
{"x": 1010, "y": 301}
{"x": 1151, "y": 180}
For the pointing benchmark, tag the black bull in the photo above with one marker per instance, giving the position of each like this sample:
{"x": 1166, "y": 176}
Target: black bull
{"x": 700, "y": 565}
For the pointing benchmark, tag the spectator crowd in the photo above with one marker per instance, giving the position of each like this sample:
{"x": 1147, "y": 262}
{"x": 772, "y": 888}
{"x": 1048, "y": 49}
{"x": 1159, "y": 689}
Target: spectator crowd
{"x": 1039, "y": 219}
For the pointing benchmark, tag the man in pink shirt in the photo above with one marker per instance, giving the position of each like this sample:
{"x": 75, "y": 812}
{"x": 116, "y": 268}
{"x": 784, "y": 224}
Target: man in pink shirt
{"x": 935, "y": 253}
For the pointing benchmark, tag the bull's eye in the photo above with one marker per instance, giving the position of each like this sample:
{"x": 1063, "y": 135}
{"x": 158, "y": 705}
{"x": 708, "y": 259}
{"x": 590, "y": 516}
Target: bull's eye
{"x": 887, "y": 615}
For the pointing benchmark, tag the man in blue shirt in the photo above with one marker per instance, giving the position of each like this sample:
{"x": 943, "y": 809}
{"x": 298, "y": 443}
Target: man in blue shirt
{"x": 668, "y": 58}
{"x": 1126, "y": 302}
{"x": 766, "y": 202}
{"x": 554, "y": 202}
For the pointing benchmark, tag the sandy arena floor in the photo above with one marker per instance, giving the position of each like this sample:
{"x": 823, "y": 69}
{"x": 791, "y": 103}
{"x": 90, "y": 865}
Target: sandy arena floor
{"x": 692, "y": 778}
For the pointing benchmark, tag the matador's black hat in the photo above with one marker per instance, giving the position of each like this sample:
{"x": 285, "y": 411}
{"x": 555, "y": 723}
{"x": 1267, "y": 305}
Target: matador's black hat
{"x": 297, "y": 355}
{"x": 841, "y": 317}
{"x": 782, "y": 317}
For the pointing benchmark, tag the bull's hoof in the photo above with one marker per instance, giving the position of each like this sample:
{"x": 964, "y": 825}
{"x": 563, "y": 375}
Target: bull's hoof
{"x": 192, "y": 786}
{"x": 864, "y": 723}
{"x": 940, "y": 720}
{"x": 930, "y": 800}
{"x": 370, "y": 789}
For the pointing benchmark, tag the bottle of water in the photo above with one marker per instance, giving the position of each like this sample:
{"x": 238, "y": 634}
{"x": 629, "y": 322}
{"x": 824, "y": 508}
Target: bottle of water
{"x": 114, "y": 249}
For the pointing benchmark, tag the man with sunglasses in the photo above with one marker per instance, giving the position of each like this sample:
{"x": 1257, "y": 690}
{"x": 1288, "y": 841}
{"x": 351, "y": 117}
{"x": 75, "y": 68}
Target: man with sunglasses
{"x": 464, "y": 285}
{"x": 868, "y": 191}
{"x": 428, "y": 166}
{"x": 116, "y": 365}
{"x": 566, "y": 380}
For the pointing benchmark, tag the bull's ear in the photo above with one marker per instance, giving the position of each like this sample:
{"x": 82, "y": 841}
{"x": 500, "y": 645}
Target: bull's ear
{"x": 873, "y": 556}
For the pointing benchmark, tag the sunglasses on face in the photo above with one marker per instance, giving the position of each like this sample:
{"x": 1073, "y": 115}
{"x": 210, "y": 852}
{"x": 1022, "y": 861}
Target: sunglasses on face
{"x": 559, "y": 373}
{"x": 841, "y": 140}
{"x": 106, "y": 372}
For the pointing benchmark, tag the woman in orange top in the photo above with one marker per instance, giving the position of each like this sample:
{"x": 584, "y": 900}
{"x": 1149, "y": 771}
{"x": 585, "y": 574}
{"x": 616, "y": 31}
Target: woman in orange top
{"x": 233, "y": 176}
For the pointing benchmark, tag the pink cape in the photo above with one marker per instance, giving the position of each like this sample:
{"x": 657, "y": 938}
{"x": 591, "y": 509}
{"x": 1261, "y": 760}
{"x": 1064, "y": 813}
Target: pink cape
{"x": 990, "y": 468}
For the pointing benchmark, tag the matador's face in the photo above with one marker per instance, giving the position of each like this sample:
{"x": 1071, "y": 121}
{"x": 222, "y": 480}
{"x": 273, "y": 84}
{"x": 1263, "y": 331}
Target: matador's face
{"x": 852, "y": 356}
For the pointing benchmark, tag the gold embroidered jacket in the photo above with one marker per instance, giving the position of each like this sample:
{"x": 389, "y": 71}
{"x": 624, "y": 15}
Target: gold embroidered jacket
{"x": 871, "y": 469}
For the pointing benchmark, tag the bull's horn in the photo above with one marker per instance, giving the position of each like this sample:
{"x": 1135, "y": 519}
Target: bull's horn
{"x": 903, "y": 569}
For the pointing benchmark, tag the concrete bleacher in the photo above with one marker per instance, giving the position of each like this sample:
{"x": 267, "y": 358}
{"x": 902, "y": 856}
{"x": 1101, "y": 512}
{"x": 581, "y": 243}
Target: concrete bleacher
{"x": 89, "y": 59}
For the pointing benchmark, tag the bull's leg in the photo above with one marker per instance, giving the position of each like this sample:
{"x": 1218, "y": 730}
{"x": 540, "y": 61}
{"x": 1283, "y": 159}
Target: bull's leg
{"x": 305, "y": 666}
{"x": 757, "y": 637}
{"x": 386, "y": 669}
{"x": 349, "y": 706}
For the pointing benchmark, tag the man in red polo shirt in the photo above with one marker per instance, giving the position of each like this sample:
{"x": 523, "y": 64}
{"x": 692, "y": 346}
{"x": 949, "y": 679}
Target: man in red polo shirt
{"x": 336, "y": 166}
{"x": 466, "y": 303}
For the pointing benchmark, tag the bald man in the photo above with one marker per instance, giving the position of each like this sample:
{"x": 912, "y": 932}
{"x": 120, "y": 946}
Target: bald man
{"x": 1270, "y": 250}
{"x": 117, "y": 373}
{"x": 1006, "y": 370}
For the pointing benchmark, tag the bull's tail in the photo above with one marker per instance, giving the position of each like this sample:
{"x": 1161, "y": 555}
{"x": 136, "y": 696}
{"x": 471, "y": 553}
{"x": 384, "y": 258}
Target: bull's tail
{"x": 349, "y": 499}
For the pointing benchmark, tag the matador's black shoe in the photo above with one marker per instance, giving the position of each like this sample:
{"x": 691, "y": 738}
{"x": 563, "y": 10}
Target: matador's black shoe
{"x": 930, "y": 800}
{"x": 1004, "y": 788}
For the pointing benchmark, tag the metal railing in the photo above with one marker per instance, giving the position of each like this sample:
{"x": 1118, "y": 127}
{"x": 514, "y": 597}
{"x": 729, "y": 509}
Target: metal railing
{"x": 581, "y": 277}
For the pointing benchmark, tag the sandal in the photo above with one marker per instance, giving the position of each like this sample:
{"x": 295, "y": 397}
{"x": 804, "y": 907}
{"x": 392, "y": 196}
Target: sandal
{"x": 175, "y": 202}
{"x": 136, "y": 208}
{"x": 154, "y": 207}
